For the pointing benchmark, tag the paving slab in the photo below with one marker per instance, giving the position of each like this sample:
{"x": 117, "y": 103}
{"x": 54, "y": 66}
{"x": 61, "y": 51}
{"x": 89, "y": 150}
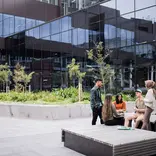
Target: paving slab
{"x": 25, "y": 137}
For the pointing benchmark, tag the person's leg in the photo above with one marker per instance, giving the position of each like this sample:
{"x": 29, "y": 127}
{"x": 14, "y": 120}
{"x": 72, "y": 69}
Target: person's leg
{"x": 126, "y": 124}
{"x": 138, "y": 120}
{"x": 115, "y": 122}
{"x": 100, "y": 114}
{"x": 110, "y": 122}
{"x": 95, "y": 115}
{"x": 146, "y": 120}
{"x": 121, "y": 121}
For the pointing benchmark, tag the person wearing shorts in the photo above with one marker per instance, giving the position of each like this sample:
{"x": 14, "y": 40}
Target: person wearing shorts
{"x": 139, "y": 110}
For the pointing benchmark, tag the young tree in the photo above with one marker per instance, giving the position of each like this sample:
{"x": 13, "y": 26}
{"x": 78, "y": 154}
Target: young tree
{"x": 26, "y": 79}
{"x": 5, "y": 73}
{"x": 98, "y": 55}
{"x": 74, "y": 72}
{"x": 21, "y": 78}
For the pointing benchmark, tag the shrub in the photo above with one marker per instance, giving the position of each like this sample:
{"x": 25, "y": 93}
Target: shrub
{"x": 64, "y": 96}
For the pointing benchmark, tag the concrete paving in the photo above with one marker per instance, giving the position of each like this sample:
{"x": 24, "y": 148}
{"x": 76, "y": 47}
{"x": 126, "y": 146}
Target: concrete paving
{"x": 23, "y": 137}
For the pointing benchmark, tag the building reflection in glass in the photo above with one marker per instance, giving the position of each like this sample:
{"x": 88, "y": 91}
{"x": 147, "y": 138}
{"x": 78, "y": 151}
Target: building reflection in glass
{"x": 129, "y": 31}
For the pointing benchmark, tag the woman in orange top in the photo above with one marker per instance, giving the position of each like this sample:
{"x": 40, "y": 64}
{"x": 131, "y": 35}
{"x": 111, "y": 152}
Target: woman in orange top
{"x": 119, "y": 104}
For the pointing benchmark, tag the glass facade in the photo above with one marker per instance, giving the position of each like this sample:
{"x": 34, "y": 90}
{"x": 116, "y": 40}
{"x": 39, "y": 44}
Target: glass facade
{"x": 69, "y": 6}
{"x": 10, "y": 24}
{"x": 128, "y": 28}
{"x": 54, "y": 2}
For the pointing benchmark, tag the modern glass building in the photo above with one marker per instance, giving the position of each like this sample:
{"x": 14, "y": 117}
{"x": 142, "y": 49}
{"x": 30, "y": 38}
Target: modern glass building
{"x": 19, "y": 15}
{"x": 128, "y": 28}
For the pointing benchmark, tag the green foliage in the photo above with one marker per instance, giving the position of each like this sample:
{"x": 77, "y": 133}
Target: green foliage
{"x": 5, "y": 73}
{"x": 104, "y": 70}
{"x": 21, "y": 78}
{"x": 61, "y": 96}
{"x": 58, "y": 95}
{"x": 74, "y": 72}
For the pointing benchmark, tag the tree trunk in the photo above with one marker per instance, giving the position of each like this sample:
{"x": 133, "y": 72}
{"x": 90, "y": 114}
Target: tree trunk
{"x": 3, "y": 87}
{"x": 80, "y": 89}
{"x": 25, "y": 87}
{"x": 104, "y": 89}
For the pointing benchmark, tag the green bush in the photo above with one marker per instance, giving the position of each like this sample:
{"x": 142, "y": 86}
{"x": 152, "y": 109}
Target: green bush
{"x": 63, "y": 96}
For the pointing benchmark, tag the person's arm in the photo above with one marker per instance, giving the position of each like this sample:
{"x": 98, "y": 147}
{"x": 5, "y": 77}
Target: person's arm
{"x": 92, "y": 98}
{"x": 123, "y": 107}
{"x": 141, "y": 110}
{"x": 149, "y": 96}
{"x": 114, "y": 111}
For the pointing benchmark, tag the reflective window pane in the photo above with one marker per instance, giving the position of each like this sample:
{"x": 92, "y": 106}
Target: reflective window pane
{"x": 55, "y": 27}
{"x": 110, "y": 33}
{"x": 75, "y": 37}
{"x": 109, "y": 4}
{"x": 19, "y": 24}
{"x": 64, "y": 23}
{"x": 36, "y": 32}
{"x": 144, "y": 25}
{"x": 125, "y": 6}
{"x": 5, "y": 16}
{"x": 148, "y": 14}
{"x": 30, "y": 23}
{"x": 87, "y": 38}
{"x": 39, "y": 22}
{"x": 8, "y": 26}
{"x": 55, "y": 37}
{"x": 1, "y": 32}
{"x": 81, "y": 37}
{"x": 45, "y": 30}
{"x": 109, "y": 9}
{"x": 0, "y": 17}
{"x": 140, "y": 4}
{"x": 46, "y": 38}
{"x": 66, "y": 37}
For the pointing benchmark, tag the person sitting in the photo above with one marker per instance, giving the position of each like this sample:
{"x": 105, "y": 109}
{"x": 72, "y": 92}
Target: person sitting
{"x": 109, "y": 114}
{"x": 139, "y": 110}
{"x": 120, "y": 105}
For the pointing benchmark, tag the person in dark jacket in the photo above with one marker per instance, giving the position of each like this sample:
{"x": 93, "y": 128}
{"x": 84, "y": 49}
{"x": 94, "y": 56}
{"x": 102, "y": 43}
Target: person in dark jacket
{"x": 96, "y": 101}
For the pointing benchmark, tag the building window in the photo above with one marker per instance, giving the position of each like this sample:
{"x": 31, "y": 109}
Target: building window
{"x": 54, "y": 2}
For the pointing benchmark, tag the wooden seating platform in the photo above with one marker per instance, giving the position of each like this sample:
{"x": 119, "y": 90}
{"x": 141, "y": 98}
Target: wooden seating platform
{"x": 101, "y": 140}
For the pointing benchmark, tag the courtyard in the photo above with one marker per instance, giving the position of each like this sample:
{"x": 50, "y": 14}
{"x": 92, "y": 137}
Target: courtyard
{"x": 23, "y": 137}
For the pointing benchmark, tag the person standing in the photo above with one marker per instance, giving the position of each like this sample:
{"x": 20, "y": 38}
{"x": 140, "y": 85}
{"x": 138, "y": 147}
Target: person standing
{"x": 150, "y": 102}
{"x": 96, "y": 102}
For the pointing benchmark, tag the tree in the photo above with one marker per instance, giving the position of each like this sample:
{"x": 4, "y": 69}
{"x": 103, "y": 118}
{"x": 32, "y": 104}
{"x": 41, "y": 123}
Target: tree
{"x": 26, "y": 79}
{"x": 98, "y": 55}
{"x": 5, "y": 73}
{"x": 74, "y": 72}
{"x": 21, "y": 78}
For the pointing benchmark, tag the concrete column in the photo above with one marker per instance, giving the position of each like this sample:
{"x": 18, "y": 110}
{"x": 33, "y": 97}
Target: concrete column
{"x": 152, "y": 72}
{"x": 130, "y": 75}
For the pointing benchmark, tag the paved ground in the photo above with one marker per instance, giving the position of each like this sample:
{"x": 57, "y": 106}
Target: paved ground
{"x": 23, "y": 137}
